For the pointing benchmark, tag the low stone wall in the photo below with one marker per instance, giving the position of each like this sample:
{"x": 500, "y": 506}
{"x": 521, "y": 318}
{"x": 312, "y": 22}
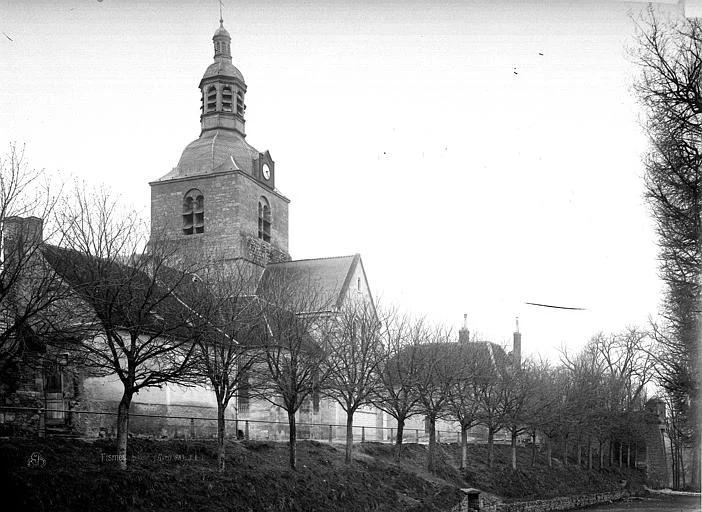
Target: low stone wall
{"x": 488, "y": 504}
{"x": 562, "y": 503}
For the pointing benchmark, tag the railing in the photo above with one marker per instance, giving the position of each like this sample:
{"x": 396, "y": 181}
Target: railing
{"x": 193, "y": 427}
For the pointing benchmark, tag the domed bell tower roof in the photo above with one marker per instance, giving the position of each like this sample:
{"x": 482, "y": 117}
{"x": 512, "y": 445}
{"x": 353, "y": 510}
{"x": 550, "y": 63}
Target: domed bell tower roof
{"x": 222, "y": 65}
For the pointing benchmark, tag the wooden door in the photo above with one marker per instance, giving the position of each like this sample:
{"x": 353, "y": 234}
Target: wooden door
{"x": 55, "y": 403}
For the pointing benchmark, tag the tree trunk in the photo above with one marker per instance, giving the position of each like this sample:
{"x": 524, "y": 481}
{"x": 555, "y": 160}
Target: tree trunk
{"x": 533, "y": 447}
{"x": 601, "y": 452}
{"x": 565, "y": 451}
{"x": 491, "y": 453}
{"x": 221, "y": 428}
{"x": 636, "y": 453}
{"x": 589, "y": 453}
{"x": 628, "y": 455}
{"x": 580, "y": 450}
{"x": 548, "y": 451}
{"x": 349, "y": 437}
{"x": 682, "y": 466}
{"x": 611, "y": 453}
{"x": 398, "y": 438}
{"x": 464, "y": 447}
{"x": 123, "y": 428}
{"x": 673, "y": 462}
{"x": 432, "y": 444}
{"x": 513, "y": 445}
{"x": 293, "y": 440}
{"x": 695, "y": 477}
{"x": 621, "y": 449}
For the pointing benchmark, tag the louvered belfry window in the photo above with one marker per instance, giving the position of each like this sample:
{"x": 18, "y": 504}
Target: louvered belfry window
{"x": 227, "y": 99}
{"x": 264, "y": 220}
{"x": 211, "y": 99}
{"x": 193, "y": 212}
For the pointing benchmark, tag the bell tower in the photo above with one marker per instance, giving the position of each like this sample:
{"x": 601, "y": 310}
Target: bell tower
{"x": 220, "y": 202}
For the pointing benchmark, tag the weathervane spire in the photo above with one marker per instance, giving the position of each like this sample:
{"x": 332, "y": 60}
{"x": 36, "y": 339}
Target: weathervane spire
{"x": 221, "y": 20}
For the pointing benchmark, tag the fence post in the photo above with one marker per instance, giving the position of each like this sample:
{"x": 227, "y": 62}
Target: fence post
{"x": 331, "y": 434}
{"x": 363, "y": 434}
{"x": 246, "y": 430}
{"x": 438, "y": 436}
{"x": 416, "y": 435}
{"x": 192, "y": 428}
{"x": 41, "y": 426}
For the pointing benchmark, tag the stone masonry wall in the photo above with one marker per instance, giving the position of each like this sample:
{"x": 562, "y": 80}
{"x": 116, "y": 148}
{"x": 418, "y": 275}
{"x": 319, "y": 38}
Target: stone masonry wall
{"x": 560, "y": 503}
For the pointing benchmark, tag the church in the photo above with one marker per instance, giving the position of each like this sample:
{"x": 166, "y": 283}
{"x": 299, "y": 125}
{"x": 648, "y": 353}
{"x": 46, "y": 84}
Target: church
{"x": 220, "y": 204}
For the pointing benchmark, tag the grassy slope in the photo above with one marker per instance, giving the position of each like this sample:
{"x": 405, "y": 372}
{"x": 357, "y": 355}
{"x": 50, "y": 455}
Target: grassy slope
{"x": 181, "y": 476}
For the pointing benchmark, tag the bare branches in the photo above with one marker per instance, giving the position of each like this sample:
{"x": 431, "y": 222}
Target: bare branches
{"x": 29, "y": 290}
{"x": 136, "y": 326}
{"x": 294, "y": 310}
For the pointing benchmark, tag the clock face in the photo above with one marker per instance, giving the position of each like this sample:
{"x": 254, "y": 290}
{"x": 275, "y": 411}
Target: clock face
{"x": 266, "y": 171}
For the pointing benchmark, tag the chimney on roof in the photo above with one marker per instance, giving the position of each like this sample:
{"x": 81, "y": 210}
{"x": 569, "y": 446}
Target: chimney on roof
{"x": 464, "y": 333}
{"x": 21, "y": 235}
{"x": 517, "y": 347}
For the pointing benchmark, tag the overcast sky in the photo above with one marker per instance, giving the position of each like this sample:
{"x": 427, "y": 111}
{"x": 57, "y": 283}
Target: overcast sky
{"x": 479, "y": 155}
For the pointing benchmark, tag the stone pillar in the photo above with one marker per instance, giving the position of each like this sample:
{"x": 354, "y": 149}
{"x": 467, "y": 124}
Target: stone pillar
{"x": 657, "y": 474}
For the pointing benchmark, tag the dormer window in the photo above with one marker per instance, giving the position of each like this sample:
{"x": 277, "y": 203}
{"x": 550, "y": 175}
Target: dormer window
{"x": 240, "y": 103}
{"x": 264, "y": 220}
{"x": 211, "y": 99}
{"x": 227, "y": 99}
{"x": 193, "y": 212}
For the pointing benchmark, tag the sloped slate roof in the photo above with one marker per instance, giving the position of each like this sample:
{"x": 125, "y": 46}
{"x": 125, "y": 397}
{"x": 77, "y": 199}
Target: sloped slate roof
{"x": 309, "y": 285}
{"x": 482, "y": 352}
{"x": 119, "y": 293}
{"x": 214, "y": 151}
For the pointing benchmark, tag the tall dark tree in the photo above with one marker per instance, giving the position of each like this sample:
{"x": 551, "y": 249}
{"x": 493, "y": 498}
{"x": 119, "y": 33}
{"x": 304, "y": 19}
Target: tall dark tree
{"x": 669, "y": 55}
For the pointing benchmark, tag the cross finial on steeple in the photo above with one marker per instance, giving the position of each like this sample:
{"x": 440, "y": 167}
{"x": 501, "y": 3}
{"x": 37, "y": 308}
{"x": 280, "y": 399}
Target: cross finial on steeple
{"x": 517, "y": 318}
{"x": 221, "y": 20}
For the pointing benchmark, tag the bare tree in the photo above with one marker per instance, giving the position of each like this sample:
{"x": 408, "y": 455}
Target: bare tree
{"x": 441, "y": 366}
{"x": 669, "y": 55}
{"x": 29, "y": 289}
{"x": 541, "y": 403}
{"x": 139, "y": 327}
{"x": 520, "y": 386}
{"x": 294, "y": 309}
{"x": 490, "y": 392}
{"x": 397, "y": 393}
{"x": 463, "y": 401}
{"x": 226, "y": 327}
{"x": 354, "y": 356}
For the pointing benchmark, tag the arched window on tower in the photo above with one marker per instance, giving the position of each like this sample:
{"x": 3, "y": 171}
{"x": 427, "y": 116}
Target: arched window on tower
{"x": 264, "y": 220}
{"x": 227, "y": 99}
{"x": 240, "y": 103}
{"x": 193, "y": 212}
{"x": 211, "y": 99}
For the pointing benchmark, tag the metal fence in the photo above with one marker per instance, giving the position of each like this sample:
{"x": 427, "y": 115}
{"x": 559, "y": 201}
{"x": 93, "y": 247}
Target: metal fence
{"x": 41, "y": 422}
